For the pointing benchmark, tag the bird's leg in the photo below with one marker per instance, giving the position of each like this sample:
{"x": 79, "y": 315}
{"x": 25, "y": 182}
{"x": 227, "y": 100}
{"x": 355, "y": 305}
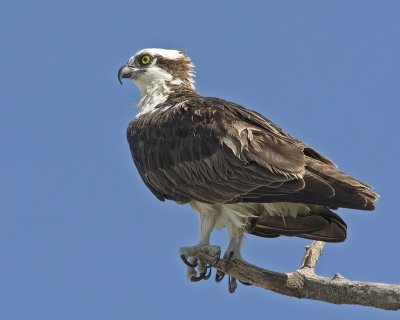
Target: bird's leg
{"x": 233, "y": 251}
{"x": 236, "y": 236}
{"x": 235, "y": 244}
{"x": 207, "y": 223}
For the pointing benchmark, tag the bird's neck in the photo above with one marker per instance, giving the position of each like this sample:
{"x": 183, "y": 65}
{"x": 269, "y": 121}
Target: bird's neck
{"x": 153, "y": 93}
{"x": 158, "y": 91}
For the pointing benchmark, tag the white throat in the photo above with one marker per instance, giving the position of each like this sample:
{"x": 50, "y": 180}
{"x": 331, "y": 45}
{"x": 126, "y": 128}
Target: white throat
{"x": 154, "y": 88}
{"x": 152, "y": 94}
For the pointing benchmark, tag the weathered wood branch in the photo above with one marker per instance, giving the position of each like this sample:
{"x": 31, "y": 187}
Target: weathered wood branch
{"x": 304, "y": 283}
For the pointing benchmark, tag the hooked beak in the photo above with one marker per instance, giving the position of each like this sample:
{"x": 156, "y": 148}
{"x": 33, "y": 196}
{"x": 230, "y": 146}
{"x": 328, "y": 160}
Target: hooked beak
{"x": 126, "y": 71}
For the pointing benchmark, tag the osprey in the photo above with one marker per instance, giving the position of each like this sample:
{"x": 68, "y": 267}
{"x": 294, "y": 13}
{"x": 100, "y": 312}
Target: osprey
{"x": 233, "y": 166}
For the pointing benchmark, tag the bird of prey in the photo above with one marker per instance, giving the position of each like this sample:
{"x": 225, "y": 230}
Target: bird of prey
{"x": 234, "y": 167}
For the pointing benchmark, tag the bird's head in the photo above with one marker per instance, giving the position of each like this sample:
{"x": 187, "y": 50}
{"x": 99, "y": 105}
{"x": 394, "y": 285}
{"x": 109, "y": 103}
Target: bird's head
{"x": 151, "y": 67}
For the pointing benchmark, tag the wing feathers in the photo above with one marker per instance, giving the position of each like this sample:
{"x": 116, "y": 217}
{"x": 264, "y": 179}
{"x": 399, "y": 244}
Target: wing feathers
{"x": 322, "y": 225}
{"x": 214, "y": 151}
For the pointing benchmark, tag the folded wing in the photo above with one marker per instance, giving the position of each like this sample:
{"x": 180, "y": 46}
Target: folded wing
{"x": 214, "y": 151}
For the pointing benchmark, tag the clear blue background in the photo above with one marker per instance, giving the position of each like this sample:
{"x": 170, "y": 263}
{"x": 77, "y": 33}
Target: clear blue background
{"x": 80, "y": 235}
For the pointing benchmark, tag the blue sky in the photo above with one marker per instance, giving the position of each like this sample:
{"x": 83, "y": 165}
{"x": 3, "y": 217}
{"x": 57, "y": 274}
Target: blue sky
{"x": 80, "y": 235}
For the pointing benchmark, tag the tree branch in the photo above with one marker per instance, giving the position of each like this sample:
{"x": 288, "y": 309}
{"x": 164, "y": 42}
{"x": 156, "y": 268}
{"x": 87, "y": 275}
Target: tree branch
{"x": 304, "y": 283}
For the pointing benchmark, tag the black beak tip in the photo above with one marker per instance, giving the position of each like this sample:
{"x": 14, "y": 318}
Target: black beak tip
{"x": 120, "y": 75}
{"x": 125, "y": 72}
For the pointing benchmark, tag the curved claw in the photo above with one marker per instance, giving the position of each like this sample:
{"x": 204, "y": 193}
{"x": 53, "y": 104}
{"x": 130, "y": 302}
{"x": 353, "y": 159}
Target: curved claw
{"x": 196, "y": 279}
{"x": 190, "y": 265}
{"x": 232, "y": 284}
{"x": 219, "y": 276}
{"x": 207, "y": 276}
{"x": 202, "y": 276}
{"x": 245, "y": 283}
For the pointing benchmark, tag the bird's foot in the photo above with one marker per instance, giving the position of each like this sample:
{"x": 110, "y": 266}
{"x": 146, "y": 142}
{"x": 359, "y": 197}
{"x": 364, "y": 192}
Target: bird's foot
{"x": 229, "y": 256}
{"x": 203, "y": 271}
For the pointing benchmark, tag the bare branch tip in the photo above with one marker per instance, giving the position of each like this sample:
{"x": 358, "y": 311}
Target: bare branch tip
{"x": 338, "y": 276}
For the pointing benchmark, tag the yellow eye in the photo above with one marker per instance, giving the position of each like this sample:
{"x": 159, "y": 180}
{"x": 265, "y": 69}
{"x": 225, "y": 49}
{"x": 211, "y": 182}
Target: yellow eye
{"x": 145, "y": 59}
